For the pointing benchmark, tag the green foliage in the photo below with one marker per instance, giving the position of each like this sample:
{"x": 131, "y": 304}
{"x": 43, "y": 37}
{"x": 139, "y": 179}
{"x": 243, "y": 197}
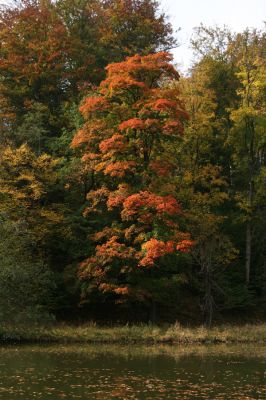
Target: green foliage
{"x": 26, "y": 283}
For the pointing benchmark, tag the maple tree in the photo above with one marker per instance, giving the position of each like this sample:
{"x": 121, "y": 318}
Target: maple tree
{"x": 51, "y": 51}
{"x": 129, "y": 123}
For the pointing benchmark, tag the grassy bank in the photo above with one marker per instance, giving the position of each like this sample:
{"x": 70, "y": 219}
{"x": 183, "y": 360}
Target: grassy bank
{"x": 140, "y": 334}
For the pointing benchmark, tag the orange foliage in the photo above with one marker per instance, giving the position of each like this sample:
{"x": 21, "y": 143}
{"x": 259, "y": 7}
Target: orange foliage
{"x": 171, "y": 127}
{"x": 158, "y": 62}
{"x": 93, "y": 104}
{"x": 137, "y": 205}
{"x": 117, "y": 197}
{"x": 119, "y": 168}
{"x": 122, "y": 290}
{"x": 113, "y": 249}
{"x": 116, "y": 142}
{"x": 88, "y": 134}
{"x": 185, "y": 246}
{"x": 120, "y": 82}
{"x": 133, "y": 123}
{"x": 154, "y": 249}
{"x": 164, "y": 105}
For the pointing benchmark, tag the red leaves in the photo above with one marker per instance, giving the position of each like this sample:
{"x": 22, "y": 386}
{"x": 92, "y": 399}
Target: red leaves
{"x": 93, "y": 104}
{"x": 154, "y": 249}
{"x": 172, "y": 127}
{"x": 111, "y": 85}
{"x": 164, "y": 105}
{"x": 185, "y": 246}
{"x": 117, "y": 198}
{"x": 159, "y": 62}
{"x": 133, "y": 123}
{"x": 135, "y": 202}
{"x": 134, "y": 73}
{"x": 140, "y": 124}
{"x": 115, "y": 143}
{"x": 144, "y": 205}
{"x": 119, "y": 168}
{"x": 122, "y": 290}
{"x": 168, "y": 204}
{"x": 112, "y": 250}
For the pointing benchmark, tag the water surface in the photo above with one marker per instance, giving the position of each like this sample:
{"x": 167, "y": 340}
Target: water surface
{"x": 132, "y": 372}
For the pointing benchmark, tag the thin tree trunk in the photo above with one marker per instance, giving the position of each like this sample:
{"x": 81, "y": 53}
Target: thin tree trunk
{"x": 248, "y": 251}
{"x": 208, "y": 300}
{"x": 248, "y": 232}
{"x": 250, "y": 132}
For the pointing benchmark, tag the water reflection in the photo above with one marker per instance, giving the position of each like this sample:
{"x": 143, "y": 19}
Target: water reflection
{"x": 132, "y": 372}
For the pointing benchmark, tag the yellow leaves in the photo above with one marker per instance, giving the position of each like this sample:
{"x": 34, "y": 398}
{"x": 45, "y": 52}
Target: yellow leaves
{"x": 188, "y": 177}
{"x": 243, "y": 203}
{"x": 242, "y": 113}
{"x": 51, "y": 215}
{"x": 25, "y": 182}
{"x": 205, "y": 187}
{"x": 23, "y": 175}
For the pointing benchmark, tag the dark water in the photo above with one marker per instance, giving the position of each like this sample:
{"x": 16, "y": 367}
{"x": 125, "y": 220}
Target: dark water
{"x": 123, "y": 372}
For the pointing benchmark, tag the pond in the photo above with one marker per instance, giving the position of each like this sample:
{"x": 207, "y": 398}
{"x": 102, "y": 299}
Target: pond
{"x": 132, "y": 372}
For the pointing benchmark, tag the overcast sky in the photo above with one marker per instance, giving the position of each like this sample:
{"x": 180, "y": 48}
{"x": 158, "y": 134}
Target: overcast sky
{"x": 186, "y": 14}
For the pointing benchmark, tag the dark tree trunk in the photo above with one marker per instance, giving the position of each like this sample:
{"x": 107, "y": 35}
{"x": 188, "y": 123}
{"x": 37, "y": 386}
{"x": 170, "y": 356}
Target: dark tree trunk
{"x": 248, "y": 251}
{"x": 208, "y": 299}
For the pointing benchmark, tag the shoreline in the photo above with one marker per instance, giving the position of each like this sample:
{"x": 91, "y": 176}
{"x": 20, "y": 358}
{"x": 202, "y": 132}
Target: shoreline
{"x": 136, "y": 334}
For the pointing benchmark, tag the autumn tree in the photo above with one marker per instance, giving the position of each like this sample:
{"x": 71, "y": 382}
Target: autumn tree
{"x": 109, "y": 30}
{"x": 131, "y": 124}
{"x": 34, "y": 51}
{"x": 224, "y": 92}
{"x": 27, "y": 184}
{"x": 202, "y": 188}
{"x": 50, "y": 51}
{"x": 248, "y": 134}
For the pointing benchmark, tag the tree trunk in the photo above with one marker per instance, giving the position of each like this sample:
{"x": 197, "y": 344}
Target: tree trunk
{"x": 248, "y": 251}
{"x": 248, "y": 232}
{"x": 208, "y": 299}
{"x": 250, "y": 132}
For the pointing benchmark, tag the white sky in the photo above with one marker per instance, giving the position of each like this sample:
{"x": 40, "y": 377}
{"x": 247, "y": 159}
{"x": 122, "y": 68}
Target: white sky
{"x": 186, "y": 14}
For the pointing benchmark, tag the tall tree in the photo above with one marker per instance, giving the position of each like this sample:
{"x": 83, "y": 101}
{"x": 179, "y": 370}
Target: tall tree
{"x": 248, "y": 133}
{"x": 132, "y": 123}
{"x": 231, "y": 73}
{"x": 202, "y": 188}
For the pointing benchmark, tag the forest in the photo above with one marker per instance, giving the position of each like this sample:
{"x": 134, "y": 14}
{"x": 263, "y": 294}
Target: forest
{"x": 129, "y": 192}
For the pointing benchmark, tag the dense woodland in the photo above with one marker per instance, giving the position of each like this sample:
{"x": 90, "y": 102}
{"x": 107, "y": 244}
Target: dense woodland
{"x": 129, "y": 193}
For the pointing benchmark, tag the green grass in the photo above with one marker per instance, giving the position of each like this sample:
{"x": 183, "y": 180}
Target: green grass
{"x": 139, "y": 334}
